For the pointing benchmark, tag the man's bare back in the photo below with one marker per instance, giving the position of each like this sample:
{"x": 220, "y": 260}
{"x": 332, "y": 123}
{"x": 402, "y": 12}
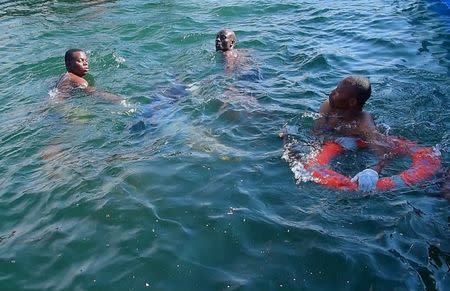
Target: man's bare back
{"x": 70, "y": 81}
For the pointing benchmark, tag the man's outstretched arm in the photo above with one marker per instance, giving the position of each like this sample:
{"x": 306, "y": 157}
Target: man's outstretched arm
{"x": 104, "y": 95}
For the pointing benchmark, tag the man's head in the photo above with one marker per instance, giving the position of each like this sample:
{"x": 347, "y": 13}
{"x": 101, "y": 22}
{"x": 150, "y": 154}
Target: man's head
{"x": 351, "y": 93}
{"x": 225, "y": 40}
{"x": 76, "y": 62}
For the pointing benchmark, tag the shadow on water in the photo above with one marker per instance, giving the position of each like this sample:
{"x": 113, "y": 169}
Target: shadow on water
{"x": 159, "y": 106}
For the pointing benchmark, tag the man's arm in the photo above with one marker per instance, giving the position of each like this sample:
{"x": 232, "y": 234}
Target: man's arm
{"x": 381, "y": 144}
{"x": 320, "y": 123}
{"x": 104, "y": 95}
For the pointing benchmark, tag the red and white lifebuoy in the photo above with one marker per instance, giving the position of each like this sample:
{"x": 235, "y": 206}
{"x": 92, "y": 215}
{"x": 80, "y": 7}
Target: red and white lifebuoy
{"x": 426, "y": 162}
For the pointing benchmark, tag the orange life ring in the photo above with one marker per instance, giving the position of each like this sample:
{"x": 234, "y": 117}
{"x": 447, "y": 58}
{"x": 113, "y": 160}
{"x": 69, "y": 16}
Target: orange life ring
{"x": 425, "y": 163}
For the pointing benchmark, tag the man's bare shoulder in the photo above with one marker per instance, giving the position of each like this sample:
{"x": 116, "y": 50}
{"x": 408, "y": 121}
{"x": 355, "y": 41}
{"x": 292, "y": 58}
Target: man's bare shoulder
{"x": 238, "y": 60}
{"x": 71, "y": 81}
{"x": 237, "y": 53}
{"x": 325, "y": 107}
{"x": 366, "y": 119}
{"x": 367, "y": 126}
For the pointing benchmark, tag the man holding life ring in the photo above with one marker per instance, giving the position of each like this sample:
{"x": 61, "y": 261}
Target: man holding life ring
{"x": 342, "y": 114}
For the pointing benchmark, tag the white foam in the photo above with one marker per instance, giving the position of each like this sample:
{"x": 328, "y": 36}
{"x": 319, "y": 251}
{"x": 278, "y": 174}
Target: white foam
{"x": 297, "y": 160}
{"x": 312, "y": 115}
{"x": 119, "y": 60}
{"x": 54, "y": 95}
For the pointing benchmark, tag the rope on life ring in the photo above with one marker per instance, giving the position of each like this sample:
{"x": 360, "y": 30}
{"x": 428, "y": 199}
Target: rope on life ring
{"x": 425, "y": 163}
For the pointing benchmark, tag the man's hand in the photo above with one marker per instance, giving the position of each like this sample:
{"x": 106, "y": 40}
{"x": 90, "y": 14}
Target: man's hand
{"x": 366, "y": 179}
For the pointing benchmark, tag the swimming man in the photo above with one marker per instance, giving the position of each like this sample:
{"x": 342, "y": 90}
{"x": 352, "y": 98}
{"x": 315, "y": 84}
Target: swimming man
{"x": 77, "y": 66}
{"x": 342, "y": 115}
{"x": 225, "y": 42}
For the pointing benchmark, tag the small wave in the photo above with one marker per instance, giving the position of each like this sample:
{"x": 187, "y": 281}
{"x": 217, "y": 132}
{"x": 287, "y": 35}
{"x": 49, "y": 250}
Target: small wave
{"x": 444, "y": 145}
{"x": 297, "y": 155}
{"x": 54, "y": 95}
{"x": 118, "y": 59}
{"x": 312, "y": 115}
{"x": 384, "y": 128}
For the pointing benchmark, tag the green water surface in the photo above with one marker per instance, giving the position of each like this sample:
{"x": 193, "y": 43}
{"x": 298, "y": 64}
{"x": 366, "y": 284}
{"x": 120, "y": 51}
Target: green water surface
{"x": 200, "y": 199}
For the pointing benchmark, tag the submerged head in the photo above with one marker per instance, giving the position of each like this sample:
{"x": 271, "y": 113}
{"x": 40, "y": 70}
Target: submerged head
{"x": 351, "y": 93}
{"x": 225, "y": 40}
{"x": 76, "y": 62}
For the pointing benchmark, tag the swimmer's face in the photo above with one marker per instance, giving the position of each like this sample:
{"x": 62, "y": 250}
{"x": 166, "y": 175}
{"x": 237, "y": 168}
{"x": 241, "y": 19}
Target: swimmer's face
{"x": 79, "y": 64}
{"x": 343, "y": 97}
{"x": 225, "y": 40}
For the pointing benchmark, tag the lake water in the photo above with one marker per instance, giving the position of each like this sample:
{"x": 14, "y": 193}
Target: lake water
{"x": 200, "y": 198}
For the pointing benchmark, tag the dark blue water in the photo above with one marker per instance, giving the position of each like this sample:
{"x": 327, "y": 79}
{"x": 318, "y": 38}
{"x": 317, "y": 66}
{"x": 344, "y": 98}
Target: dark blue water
{"x": 198, "y": 197}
